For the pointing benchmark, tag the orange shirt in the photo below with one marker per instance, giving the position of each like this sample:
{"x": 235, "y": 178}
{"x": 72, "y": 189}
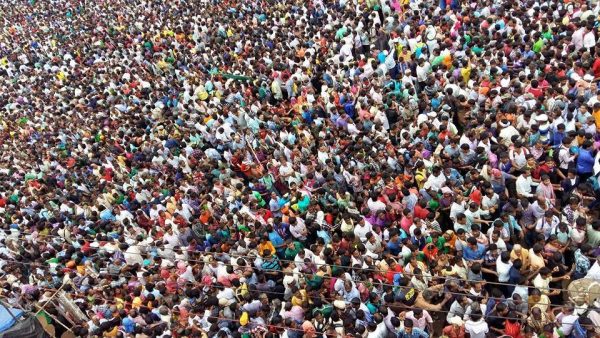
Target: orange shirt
{"x": 266, "y": 246}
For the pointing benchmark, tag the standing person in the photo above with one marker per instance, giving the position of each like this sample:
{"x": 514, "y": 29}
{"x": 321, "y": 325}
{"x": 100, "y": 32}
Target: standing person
{"x": 476, "y": 326}
{"x": 585, "y": 161}
{"x": 410, "y": 331}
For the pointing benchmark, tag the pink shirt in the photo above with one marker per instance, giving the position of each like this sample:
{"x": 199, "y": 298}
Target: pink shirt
{"x": 421, "y": 323}
{"x": 547, "y": 191}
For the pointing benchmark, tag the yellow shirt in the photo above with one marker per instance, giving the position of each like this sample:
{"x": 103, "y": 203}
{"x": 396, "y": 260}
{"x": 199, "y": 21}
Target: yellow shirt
{"x": 524, "y": 256}
{"x": 299, "y": 301}
{"x": 266, "y": 246}
{"x": 596, "y": 116}
{"x": 535, "y": 261}
{"x": 136, "y": 303}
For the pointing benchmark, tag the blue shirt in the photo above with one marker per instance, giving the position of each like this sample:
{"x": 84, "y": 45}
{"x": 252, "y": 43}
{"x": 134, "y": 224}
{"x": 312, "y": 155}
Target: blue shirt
{"x": 128, "y": 325}
{"x": 276, "y": 240}
{"x": 557, "y": 138}
{"x": 585, "y": 162}
{"x": 107, "y": 215}
{"x": 416, "y": 333}
{"x": 394, "y": 247}
{"x": 472, "y": 255}
{"x": 512, "y": 222}
{"x": 578, "y": 330}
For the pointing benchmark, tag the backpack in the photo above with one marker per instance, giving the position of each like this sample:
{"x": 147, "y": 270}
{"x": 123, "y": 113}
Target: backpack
{"x": 556, "y": 156}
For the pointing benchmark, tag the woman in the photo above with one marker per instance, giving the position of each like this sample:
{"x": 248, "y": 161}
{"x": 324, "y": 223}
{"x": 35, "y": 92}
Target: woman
{"x": 498, "y": 181}
{"x": 456, "y": 328}
{"x": 512, "y": 327}
{"x": 553, "y": 246}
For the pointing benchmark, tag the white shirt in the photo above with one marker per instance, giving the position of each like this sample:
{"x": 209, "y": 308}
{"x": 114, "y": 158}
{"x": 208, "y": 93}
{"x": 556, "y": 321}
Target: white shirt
{"x": 488, "y": 202}
{"x": 477, "y": 329}
{"x": 502, "y": 269}
{"x": 547, "y": 228}
{"x": 524, "y": 185}
{"x": 506, "y": 134}
{"x": 594, "y": 272}
{"x": 577, "y": 38}
{"x": 566, "y": 322}
{"x": 564, "y": 157}
{"x": 589, "y": 40}
{"x": 519, "y": 158}
{"x": 375, "y": 205}
{"x": 436, "y": 183}
{"x": 360, "y": 231}
{"x": 542, "y": 284}
{"x": 456, "y": 209}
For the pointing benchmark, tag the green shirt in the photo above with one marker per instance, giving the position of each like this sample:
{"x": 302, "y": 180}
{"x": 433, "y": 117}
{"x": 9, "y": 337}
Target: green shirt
{"x": 259, "y": 198}
{"x": 593, "y": 236}
{"x": 290, "y": 254}
{"x": 477, "y": 50}
{"x": 439, "y": 244}
{"x": 14, "y": 198}
{"x": 341, "y": 33}
{"x": 538, "y": 45}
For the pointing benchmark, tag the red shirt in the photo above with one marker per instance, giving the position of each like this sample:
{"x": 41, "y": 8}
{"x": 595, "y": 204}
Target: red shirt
{"x": 389, "y": 275}
{"x": 476, "y": 196}
{"x": 405, "y": 224}
{"x": 512, "y": 329}
{"x": 536, "y": 92}
{"x": 421, "y": 212}
{"x": 596, "y": 67}
{"x": 453, "y": 333}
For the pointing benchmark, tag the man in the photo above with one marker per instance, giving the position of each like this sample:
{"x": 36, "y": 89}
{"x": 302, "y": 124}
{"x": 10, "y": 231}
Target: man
{"x": 458, "y": 307}
{"x": 421, "y": 319}
{"x": 585, "y": 161}
{"x": 564, "y": 156}
{"x": 547, "y": 224}
{"x": 473, "y": 251}
{"x": 410, "y": 331}
{"x": 524, "y": 184}
{"x": 436, "y": 180}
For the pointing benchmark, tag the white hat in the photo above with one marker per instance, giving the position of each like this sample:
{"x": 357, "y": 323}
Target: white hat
{"x": 456, "y": 321}
{"x": 225, "y": 302}
{"x": 504, "y": 125}
{"x": 46, "y": 297}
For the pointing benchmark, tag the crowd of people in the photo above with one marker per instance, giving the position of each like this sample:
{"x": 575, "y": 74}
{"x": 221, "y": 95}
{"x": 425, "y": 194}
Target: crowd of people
{"x": 301, "y": 168}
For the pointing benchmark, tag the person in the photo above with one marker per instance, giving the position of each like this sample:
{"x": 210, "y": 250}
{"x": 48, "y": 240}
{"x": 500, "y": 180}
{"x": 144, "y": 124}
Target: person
{"x": 421, "y": 319}
{"x": 476, "y": 326}
{"x": 457, "y": 308}
{"x": 456, "y": 328}
{"x": 581, "y": 327}
{"x": 410, "y": 331}
{"x": 566, "y": 318}
{"x": 525, "y": 185}
{"x": 582, "y": 261}
{"x": 473, "y": 251}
